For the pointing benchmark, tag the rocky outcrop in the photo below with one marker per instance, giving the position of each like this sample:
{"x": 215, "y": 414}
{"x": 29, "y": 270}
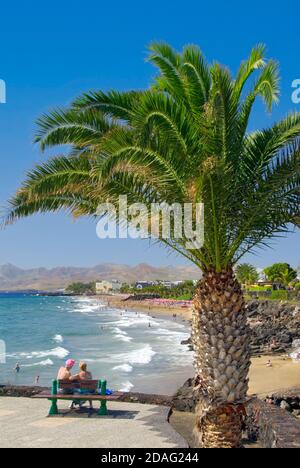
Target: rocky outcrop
{"x": 274, "y": 327}
{"x": 185, "y": 399}
{"x": 20, "y": 391}
{"x": 147, "y": 398}
{"x": 289, "y": 401}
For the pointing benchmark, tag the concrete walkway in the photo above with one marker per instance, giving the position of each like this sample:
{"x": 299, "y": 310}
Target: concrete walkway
{"x": 23, "y": 424}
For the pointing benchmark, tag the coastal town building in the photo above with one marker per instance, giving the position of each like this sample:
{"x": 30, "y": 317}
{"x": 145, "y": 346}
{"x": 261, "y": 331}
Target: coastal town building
{"x": 144, "y": 284}
{"x": 107, "y": 287}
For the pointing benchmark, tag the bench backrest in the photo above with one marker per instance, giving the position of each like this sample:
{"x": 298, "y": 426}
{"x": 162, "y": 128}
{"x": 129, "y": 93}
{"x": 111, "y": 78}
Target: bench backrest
{"x": 78, "y": 384}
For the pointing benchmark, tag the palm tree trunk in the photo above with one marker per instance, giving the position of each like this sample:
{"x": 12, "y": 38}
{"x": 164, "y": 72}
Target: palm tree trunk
{"x": 221, "y": 341}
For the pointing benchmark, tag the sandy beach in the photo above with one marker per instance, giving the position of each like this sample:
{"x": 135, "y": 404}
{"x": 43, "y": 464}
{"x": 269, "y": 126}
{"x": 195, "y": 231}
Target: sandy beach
{"x": 148, "y": 306}
{"x": 283, "y": 374}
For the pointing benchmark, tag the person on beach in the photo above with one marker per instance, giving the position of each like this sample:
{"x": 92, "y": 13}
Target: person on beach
{"x": 17, "y": 368}
{"x": 83, "y": 374}
{"x": 64, "y": 373}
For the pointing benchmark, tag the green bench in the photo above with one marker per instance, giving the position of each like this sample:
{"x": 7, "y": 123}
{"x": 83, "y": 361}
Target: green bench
{"x": 93, "y": 390}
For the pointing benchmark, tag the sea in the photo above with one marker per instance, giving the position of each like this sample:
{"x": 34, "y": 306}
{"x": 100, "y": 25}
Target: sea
{"x": 133, "y": 351}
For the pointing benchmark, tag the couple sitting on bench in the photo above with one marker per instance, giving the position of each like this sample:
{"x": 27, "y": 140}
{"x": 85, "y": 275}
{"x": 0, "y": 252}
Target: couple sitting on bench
{"x": 78, "y": 388}
{"x": 64, "y": 374}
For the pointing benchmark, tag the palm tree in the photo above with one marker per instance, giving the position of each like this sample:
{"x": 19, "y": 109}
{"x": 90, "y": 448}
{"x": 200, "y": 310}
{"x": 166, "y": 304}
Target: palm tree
{"x": 185, "y": 139}
{"x": 287, "y": 277}
{"x": 246, "y": 273}
{"x": 281, "y": 273}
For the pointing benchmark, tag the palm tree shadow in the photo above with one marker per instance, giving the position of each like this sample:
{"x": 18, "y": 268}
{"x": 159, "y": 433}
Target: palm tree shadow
{"x": 158, "y": 421}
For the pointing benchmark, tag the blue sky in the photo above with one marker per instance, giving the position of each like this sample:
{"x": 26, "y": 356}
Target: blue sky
{"x": 52, "y": 51}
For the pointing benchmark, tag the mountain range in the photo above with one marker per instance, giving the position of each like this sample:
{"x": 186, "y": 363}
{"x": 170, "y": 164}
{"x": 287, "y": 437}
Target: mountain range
{"x": 13, "y": 278}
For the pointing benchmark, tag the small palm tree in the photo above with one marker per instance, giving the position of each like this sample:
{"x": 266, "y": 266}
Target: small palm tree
{"x": 246, "y": 273}
{"x": 281, "y": 273}
{"x": 185, "y": 139}
{"x": 286, "y": 278}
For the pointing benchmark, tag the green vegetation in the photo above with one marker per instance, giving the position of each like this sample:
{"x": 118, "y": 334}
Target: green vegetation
{"x": 281, "y": 273}
{"x": 185, "y": 139}
{"x": 246, "y": 273}
{"x": 184, "y": 290}
{"x": 259, "y": 288}
{"x": 81, "y": 288}
{"x": 280, "y": 295}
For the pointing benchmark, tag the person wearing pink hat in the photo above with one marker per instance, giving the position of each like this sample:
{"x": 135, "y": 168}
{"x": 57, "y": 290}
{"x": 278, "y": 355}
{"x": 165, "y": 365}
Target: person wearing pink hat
{"x": 64, "y": 373}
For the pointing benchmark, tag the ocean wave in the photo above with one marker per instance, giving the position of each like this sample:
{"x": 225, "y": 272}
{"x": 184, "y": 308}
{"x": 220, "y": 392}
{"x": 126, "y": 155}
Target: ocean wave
{"x": 138, "y": 356}
{"x": 136, "y": 321}
{"x": 126, "y": 339}
{"x": 121, "y": 335}
{"x": 126, "y": 387}
{"x": 123, "y": 368}
{"x": 58, "y": 338}
{"x": 86, "y": 305}
{"x": 47, "y": 362}
{"x": 58, "y": 352}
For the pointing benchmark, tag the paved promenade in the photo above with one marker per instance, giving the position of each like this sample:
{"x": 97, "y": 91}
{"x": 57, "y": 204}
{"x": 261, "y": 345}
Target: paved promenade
{"x": 23, "y": 424}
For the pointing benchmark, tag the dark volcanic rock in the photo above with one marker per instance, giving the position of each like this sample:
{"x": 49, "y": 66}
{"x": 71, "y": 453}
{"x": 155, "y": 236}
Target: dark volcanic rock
{"x": 22, "y": 391}
{"x": 274, "y": 326}
{"x": 185, "y": 399}
{"x": 288, "y": 400}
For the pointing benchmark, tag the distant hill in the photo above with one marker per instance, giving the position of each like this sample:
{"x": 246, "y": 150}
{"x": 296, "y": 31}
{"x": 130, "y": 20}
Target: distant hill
{"x": 13, "y": 278}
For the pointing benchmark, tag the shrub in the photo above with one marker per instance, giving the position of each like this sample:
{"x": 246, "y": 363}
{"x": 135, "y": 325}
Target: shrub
{"x": 280, "y": 295}
{"x": 259, "y": 289}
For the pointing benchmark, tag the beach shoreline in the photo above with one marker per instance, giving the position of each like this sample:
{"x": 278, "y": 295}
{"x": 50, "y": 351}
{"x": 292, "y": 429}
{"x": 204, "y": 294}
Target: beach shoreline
{"x": 166, "y": 310}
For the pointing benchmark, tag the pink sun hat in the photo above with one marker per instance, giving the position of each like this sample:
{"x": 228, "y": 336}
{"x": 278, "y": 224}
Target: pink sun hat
{"x": 70, "y": 363}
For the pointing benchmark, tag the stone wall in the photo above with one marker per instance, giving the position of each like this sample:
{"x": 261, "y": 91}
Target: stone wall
{"x": 20, "y": 391}
{"x": 273, "y": 426}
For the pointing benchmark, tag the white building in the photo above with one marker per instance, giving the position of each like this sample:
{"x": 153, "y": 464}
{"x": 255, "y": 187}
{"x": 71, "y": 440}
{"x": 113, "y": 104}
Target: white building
{"x": 107, "y": 287}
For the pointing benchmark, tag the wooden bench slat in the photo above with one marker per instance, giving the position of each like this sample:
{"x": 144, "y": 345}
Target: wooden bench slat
{"x": 48, "y": 396}
{"x": 78, "y": 384}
